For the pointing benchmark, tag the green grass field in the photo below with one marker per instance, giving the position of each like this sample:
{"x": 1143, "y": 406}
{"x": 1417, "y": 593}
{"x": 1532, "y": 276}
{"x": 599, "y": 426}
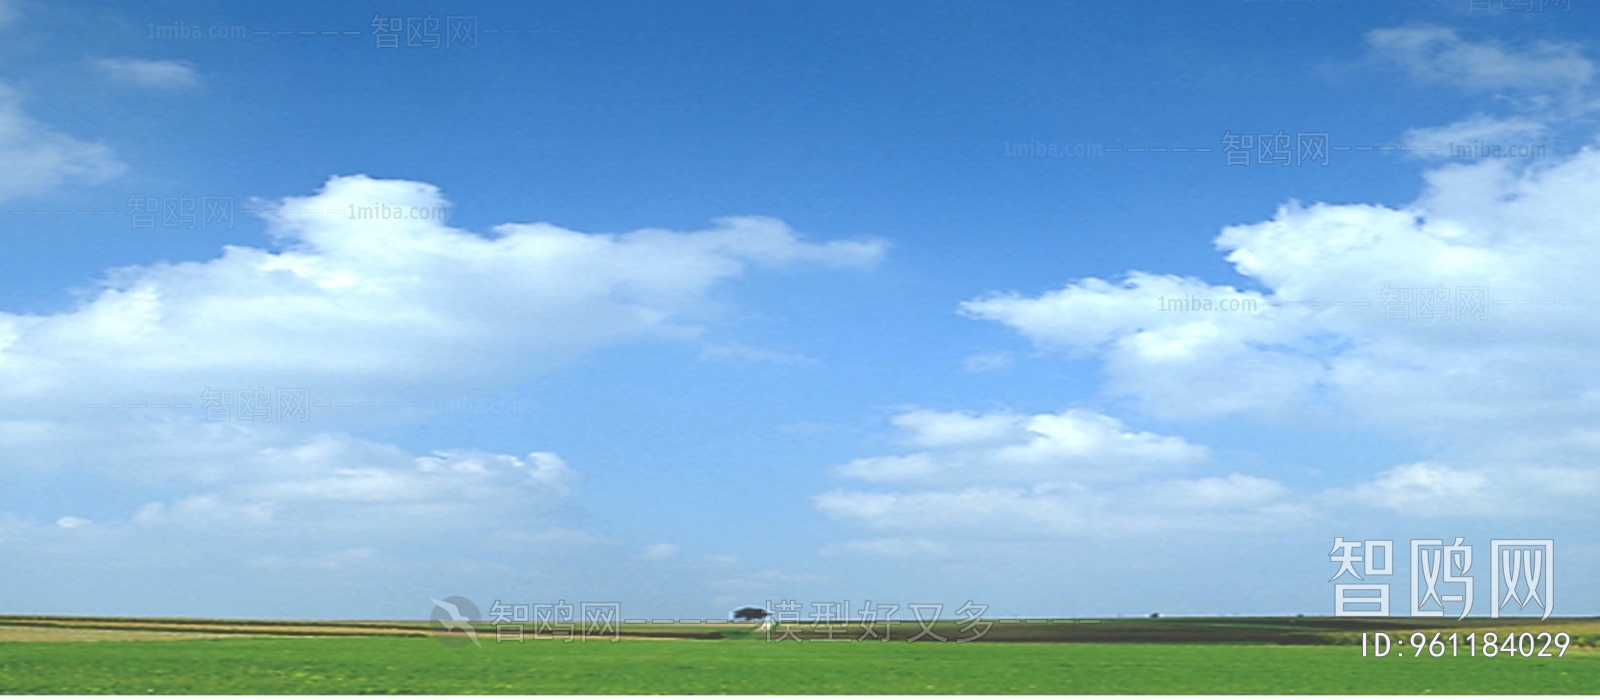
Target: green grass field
{"x": 744, "y": 663}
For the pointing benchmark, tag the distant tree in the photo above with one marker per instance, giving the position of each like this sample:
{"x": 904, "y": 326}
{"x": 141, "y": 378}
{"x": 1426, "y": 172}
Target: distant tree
{"x": 751, "y": 614}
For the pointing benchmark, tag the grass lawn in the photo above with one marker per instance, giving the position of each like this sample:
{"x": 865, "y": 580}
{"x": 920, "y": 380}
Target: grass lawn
{"x": 315, "y": 665}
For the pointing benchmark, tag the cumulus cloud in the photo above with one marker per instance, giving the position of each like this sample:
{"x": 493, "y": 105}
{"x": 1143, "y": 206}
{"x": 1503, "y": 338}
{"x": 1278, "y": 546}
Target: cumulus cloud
{"x": 271, "y": 484}
{"x": 1041, "y": 476}
{"x": 387, "y": 308}
{"x": 1463, "y": 321}
{"x": 1074, "y": 445}
{"x": 35, "y": 158}
{"x": 1437, "y": 54}
{"x": 139, "y": 72}
{"x": 1426, "y": 489}
{"x": 1234, "y": 503}
{"x": 1200, "y": 363}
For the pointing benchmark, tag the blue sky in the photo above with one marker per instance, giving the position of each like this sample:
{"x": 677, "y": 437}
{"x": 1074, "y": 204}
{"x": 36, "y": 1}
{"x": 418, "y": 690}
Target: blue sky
{"x": 737, "y": 303}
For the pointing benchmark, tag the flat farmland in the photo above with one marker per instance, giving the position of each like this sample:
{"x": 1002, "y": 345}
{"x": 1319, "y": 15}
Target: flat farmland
{"x": 1245, "y": 655}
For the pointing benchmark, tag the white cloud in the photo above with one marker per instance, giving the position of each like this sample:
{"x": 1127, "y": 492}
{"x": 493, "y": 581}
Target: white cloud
{"x": 355, "y": 520}
{"x": 1426, "y": 489}
{"x": 204, "y": 512}
{"x": 1054, "y": 511}
{"x": 141, "y": 72}
{"x": 386, "y": 309}
{"x": 1006, "y": 448}
{"x": 1440, "y": 55}
{"x": 1504, "y": 387}
{"x": 1207, "y": 362}
{"x": 1003, "y": 475}
{"x": 8, "y": 12}
{"x": 951, "y": 429}
{"x": 334, "y": 486}
{"x": 35, "y": 158}
{"x": 1232, "y": 491}
{"x": 661, "y": 551}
